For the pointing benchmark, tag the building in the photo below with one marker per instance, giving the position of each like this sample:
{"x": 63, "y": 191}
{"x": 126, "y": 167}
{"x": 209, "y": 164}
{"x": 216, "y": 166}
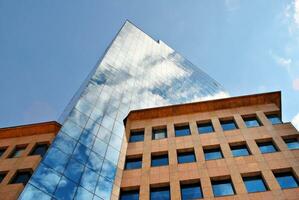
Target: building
{"x": 136, "y": 71}
{"x": 21, "y": 150}
{"x": 235, "y": 147}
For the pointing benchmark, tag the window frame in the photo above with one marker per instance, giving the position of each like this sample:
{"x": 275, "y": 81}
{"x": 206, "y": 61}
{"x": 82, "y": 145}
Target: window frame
{"x": 23, "y": 171}
{"x": 160, "y": 188}
{"x": 268, "y": 141}
{"x": 228, "y": 121}
{"x": 222, "y": 180}
{"x": 212, "y": 149}
{"x": 182, "y": 152}
{"x": 268, "y": 115}
{"x": 193, "y": 184}
{"x": 162, "y": 154}
{"x": 182, "y": 126}
{"x": 255, "y": 176}
{"x": 289, "y": 172}
{"x": 18, "y": 147}
{"x": 237, "y": 145}
{"x": 203, "y": 123}
{"x": 137, "y": 132}
{"x": 294, "y": 138}
{"x": 134, "y": 191}
{"x": 252, "y": 117}
{"x": 39, "y": 144}
{"x": 130, "y": 159}
{"x": 156, "y": 130}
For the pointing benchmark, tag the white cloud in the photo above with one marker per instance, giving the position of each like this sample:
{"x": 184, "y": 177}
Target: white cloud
{"x": 296, "y": 12}
{"x": 295, "y": 121}
{"x": 296, "y": 84}
{"x": 284, "y": 62}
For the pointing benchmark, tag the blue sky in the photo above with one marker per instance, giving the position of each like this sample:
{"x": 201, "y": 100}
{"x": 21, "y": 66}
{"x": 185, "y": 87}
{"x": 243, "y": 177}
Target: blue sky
{"x": 47, "y": 48}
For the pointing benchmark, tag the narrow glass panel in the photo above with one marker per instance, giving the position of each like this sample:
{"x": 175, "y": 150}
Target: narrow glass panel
{"x": 251, "y": 122}
{"x": 205, "y": 128}
{"x": 240, "y": 150}
{"x": 274, "y": 119}
{"x": 286, "y": 180}
{"x": 292, "y": 143}
{"x": 133, "y": 163}
{"x": 255, "y": 184}
{"x": 212, "y": 154}
{"x": 66, "y": 189}
{"x": 267, "y": 147}
{"x": 191, "y": 191}
{"x": 186, "y": 157}
{"x": 40, "y": 149}
{"x": 162, "y": 193}
{"x": 182, "y": 130}
{"x": 159, "y": 160}
{"x": 228, "y": 125}
{"x": 136, "y": 136}
{"x": 223, "y": 188}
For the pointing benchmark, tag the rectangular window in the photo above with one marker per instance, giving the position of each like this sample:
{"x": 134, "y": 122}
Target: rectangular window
{"x": 2, "y": 176}
{"x": 274, "y": 119}
{"x": 228, "y": 125}
{"x": 251, "y": 122}
{"x": 161, "y": 193}
{"x": 17, "y": 152}
{"x": 133, "y": 163}
{"x": 40, "y": 149}
{"x": 239, "y": 150}
{"x": 136, "y": 136}
{"x": 159, "y": 160}
{"x": 2, "y": 151}
{"x": 205, "y": 127}
{"x": 286, "y": 180}
{"x": 182, "y": 130}
{"x": 267, "y": 147}
{"x": 212, "y": 154}
{"x": 191, "y": 191}
{"x": 292, "y": 143}
{"x": 223, "y": 188}
{"x": 255, "y": 184}
{"x": 21, "y": 177}
{"x": 186, "y": 157}
{"x": 159, "y": 133}
{"x": 129, "y": 195}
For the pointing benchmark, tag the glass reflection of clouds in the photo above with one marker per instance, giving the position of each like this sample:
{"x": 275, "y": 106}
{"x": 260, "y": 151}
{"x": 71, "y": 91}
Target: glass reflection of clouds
{"x": 136, "y": 72}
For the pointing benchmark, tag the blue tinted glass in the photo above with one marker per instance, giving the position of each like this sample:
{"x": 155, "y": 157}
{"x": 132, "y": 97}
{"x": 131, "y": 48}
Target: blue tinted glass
{"x": 89, "y": 179}
{"x": 34, "y": 193}
{"x": 160, "y": 193}
{"x": 136, "y": 136}
{"x": 267, "y": 147}
{"x": 129, "y": 195}
{"x": 274, "y": 119}
{"x": 95, "y": 162}
{"x": 286, "y": 180}
{"x": 292, "y": 143}
{"x": 66, "y": 189}
{"x": 222, "y": 188}
{"x": 108, "y": 170}
{"x": 81, "y": 153}
{"x": 228, "y": 125}
{"x": 240, "y": 151}
{"x": 251, "y": 122}
{"x": 191, "y": 191}
{"x": 64, "y": 142}
{"x": 133, "y": 163}
{"x": 159, "y": 160}
{"x": 186, "y": 157}
{"x": 254, "y": 184}
{"x": 74, "y": 170}
{"x": 212, "y": 154}
{"x": 56, "y": 159}
{"x": 104, "y": 188}
{"x": 182, "y": 131}
{"x": 205, "y": 128}
{"x": 83, "y": 194}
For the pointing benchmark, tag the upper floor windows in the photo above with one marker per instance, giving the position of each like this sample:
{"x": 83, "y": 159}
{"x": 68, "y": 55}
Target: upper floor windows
{"x": 267, "y": 147}
{"x": 252, "y": 122}
{"x": 255, "y": 184}
{"x": 159, "y": 133}
{"x": 186, "y": 156}
{"x": 17, "y": 152}
{"x": 2, "y": 176}
{"x": 223, "y": 187}
{"x": 206, "y": 127}
{"x": 136, "y": 136}
{"x": 2, "y": 151}
{"x": 213, "y": 153}
{"x": 191, "y": 191}
{"x": 21, "y": 177}
{"x": 133, "y": 163}
{"x": 239, "y": 150}
{"x": 129, "y": 195}
{"x": 40, "y": 149}
{"x": 228, "y": 125}
{"x": 274, "y": 119}
{"x": 161, "y": 193}
{"x": 159, "y": 160}
{"x": 292, "y": 143}
{"x": 182, "y": 130}
{"x": 286, "y": 180}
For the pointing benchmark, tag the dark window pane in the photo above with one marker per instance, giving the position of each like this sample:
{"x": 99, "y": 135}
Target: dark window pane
{"x": 21, "y": 177}
{"x": 191, "y": 191}
{"x": 162, "y": 193}
{"x": 133, "y": 163}
{"x": 2, "y": 176}
{"x": 228, "y": 125}
{"x": 182, "y": 130}
{"x": 252, "y": 122}
{"x": 205, "y": 128}
{"x": 212, "y": 154}
{"x": 159, "y": 160}
{"x": 240, "y": 150}
{"x": 159, "y": 133}
{"x": 274, "y": 119}
{"x": 255, "y": 184}
{"x": 186, "y": 157}
{"x": 286, "y": 180}
{"x": 136, "y": 136}
{"x": 17, "y": 152}
{"x": 267, "y": 147}
{"x": 129, "y": 195}
{"x": 40, "y": 149}
{"x": 292, "y": 143}
{"x": 223, "y": 188}
{"x": 2, "y": 151}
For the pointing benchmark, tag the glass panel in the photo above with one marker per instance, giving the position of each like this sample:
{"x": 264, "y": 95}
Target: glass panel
{"x": 223, "y": 188}
{"x": 274, "y": 119}
{"x": 228, "y": 125}
{"x": 89, "y": 179}
{"x": 56, "y": 159}
{"x": 136, "y": 136}
{"x": 186, "y": 157}
{"x": 182, "y": 130}
{"x": 240, "y": 150}
{"x": 74, "y": 170}
{"x": 212, "y": 154}
{"x": 33, "y": 193}
{"x": 133, "y": 163}
{"x": 162, "y": 193}
{"x": 21, "y": 177}
{"x": 103, "y": 188}
{"x": 159, "y": 134}
{"x": 191, "y": 191}
{"x": 159, "y": 160}
{"x": 292, "y": 143}
{"x": 40, "y": 149}
{"x": 17, "y": 152}
{"x": 205, "y": 128}
{"x": 66, "y": 189}
{"x": 255, "y": 184}
{"x": 83, "y": 194}
{"x": 267, "y": 147}
{"x": 252, "y": 122}
{"x": 286, "y": 180}
{"x": 129, "y": 195}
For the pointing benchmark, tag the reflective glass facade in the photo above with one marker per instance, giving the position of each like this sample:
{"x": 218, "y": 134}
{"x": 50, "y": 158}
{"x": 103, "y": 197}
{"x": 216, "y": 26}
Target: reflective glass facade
{"x": 135, "y": 72}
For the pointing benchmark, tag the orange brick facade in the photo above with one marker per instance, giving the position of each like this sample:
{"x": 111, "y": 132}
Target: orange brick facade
{"x": 204, "y": 171}
{"x": 27, "y": 137}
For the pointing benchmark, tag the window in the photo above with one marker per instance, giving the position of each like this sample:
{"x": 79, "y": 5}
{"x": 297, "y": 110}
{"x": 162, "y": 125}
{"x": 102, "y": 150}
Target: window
{"x": 186, "y": 157}
{"x": 228, "y": 125}
{"x": 17, "y": 152}
{"x": 212, "y": 154}
{"x": 129, "y": 195}
{"x": 21, "y": 177}
{"x": 40, "y": 149}
{"x": 255, "y": 184}
{"x": 161, "y": 193}
{"x": 182, "y": 130}
{"x": 133, "y": 163}
{"x": 267, "y": 147}
{"x": 159, "y": 133}
{"x": 292, "y": 143}
{"x": 159, "y": 160}
{"x": 251, "y": 122}
{"x": 286, "y": 180}
{"x": 2, "y": 176}
{"x": 205, "y": 127}
{"x": 274, "y": 119}
{"x": 191, "y": 191}
{"x": 223, "y": 188}
{"x": 239, "y": 150}
{"x": 2, "y": 151}
{"x": 136, "y": 136}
